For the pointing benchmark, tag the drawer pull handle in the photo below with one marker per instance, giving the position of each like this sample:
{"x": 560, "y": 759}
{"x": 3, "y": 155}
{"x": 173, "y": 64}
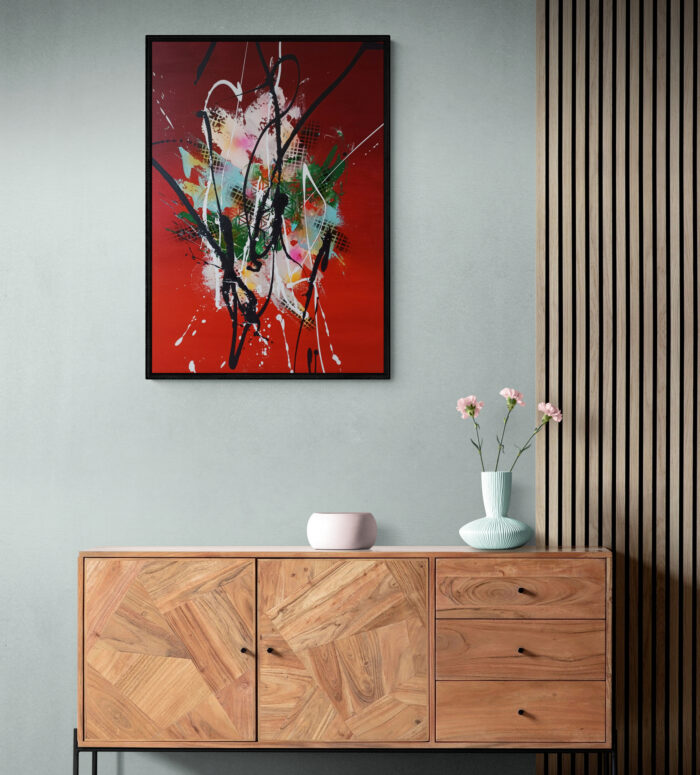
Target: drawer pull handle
{"x": 521, "y": 712}
{"x": 521, "y": 590}
{"x": 244, "y": 650}
{"x": 270, "y": 649}
{"x": 521, "y": 650}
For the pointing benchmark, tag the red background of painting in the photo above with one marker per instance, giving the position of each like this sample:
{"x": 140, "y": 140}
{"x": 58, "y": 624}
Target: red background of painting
{"x": 352, "y": 295}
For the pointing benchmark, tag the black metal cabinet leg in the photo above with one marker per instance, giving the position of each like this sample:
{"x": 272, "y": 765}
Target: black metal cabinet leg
{"x": 75, "y": 752}
{"x": 613, "y": 755}
{"x": 94, "y": 763}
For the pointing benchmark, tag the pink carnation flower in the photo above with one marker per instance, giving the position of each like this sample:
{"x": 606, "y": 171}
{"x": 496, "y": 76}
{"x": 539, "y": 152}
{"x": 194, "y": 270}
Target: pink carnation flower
{"x": 550, "y": 411}
{"x": 469, "y": 406}
{"x": 510, "y": 394}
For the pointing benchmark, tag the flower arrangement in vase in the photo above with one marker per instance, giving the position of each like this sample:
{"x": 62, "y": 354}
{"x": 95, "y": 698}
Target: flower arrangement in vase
{"x": 497, "y": 530}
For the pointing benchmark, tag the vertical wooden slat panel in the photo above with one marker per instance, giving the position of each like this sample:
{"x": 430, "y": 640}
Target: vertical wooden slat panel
{"x": 618, "y": 319}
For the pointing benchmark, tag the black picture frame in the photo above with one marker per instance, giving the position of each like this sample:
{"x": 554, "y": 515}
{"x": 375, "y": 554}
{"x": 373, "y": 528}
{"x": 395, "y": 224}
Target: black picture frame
{"x": 384, "y": 41}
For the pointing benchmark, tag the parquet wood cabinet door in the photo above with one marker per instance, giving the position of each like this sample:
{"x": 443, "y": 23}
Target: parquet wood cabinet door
{"x": 162, "y": 650}
{"x": 343, "y": 650}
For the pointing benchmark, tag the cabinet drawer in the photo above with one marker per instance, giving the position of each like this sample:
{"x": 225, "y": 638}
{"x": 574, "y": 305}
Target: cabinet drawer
{"x": 489, "y": 711}
{"x": 542, "y": 650}
{"x": 473, "y": 588}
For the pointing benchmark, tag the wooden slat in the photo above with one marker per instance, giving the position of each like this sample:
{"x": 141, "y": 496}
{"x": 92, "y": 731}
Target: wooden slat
{"x": 593, "y": 236}
{"x": 567, "y": 268}
{"x": 580, "y": 460}
{"x": 660, "y": 474}
{"x": 674, "y": 402}
{"x": 648, "y": 369}
{"x": 551, "y": 527}
{"x": 541, "y": 254}
{"x": 632, "y": 450}
{"x": 695, "y": 676}
{"x": 608, "y": 275}
{"x": 619, "y": 483}
{"x": 689, "y": 259}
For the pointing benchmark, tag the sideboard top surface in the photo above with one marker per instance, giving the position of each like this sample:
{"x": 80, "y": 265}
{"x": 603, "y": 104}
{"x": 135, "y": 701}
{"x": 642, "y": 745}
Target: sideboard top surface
{"x": 306, "y": 551}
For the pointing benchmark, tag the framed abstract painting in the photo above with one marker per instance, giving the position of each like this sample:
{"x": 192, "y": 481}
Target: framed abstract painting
{"x": 267, "y": 207}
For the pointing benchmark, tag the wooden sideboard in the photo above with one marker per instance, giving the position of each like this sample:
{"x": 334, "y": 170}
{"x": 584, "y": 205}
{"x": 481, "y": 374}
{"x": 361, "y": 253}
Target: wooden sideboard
{"x": 414, "y": 647}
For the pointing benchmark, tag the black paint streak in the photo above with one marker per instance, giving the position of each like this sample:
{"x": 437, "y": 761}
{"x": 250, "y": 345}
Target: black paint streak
{"x": 321, "y": 263}
{"x": 312, "y": 360}
{"x": 207, "y": 125}
{"x": 204, "y": 61}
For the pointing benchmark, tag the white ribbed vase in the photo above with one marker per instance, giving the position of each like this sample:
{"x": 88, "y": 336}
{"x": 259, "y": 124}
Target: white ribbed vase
{"x": 496, "y": 530}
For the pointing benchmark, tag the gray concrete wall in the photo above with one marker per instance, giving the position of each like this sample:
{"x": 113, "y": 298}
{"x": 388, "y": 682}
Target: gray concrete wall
{"x": 93, "y": 454}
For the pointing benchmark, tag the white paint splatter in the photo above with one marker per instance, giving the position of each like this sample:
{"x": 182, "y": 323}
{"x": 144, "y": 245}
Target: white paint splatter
{"x": 286, "y": 346}
{"x": 184, "y": 333}
{"x": 328, "y": 335}
{"x": 347, "y": 156}
{"x": 192, "y": 368}
{"x": 166, "y": 118}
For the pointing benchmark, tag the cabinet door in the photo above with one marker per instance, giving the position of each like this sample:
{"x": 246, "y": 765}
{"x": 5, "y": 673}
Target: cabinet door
{"x": 162, "y": 650}
{"x": 343, "y": 650}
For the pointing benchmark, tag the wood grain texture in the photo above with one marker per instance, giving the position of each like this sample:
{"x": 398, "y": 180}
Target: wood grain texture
{"x": 351, "y": 638}
{"x": 523, "y": 588}
{"x": 629, "y": 297}
{"x": 162, "y": 654}
{"x": 554, "y": 711}
{"x": 524, "y": 650}
{"x": 349, "y": 642}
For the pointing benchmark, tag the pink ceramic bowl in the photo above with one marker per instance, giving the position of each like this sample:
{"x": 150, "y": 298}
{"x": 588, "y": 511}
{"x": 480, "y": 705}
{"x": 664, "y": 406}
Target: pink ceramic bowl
{"x": 341, "y": 530}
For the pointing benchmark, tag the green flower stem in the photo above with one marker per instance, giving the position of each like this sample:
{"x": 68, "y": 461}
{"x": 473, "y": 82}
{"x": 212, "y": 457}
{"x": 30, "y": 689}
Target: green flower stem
{"x": 478, "y": 442}
{"x": 527, "y": 443}
{"x": 500, "y": 442}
